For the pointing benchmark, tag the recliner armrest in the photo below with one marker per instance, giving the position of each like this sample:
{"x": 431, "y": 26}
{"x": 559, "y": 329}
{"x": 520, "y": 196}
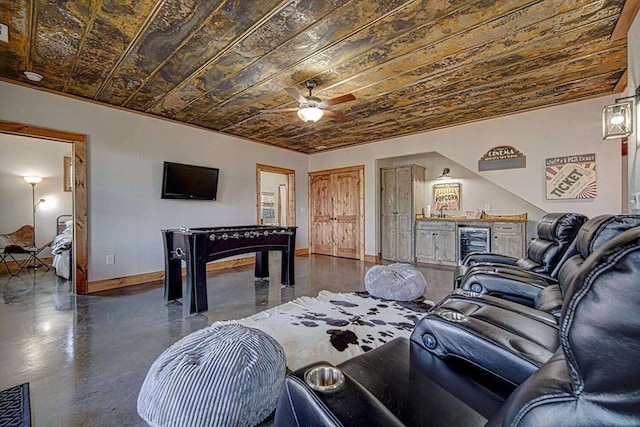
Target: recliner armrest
{"x": 505, "y": 344}
{"x": 513, "y": 271}
{"x": 474, "y": 258}
{"x": 526, "y": 274}
{"x": 414, "y": 385}
{"x": 351, "y": 404}
{"x": 462, "y": 271}
{"x": 505, "y": 285}
{"x": 532, "y": 313}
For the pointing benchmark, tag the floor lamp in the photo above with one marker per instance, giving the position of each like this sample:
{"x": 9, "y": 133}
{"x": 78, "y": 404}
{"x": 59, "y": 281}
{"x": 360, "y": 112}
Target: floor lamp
{"x": 34, "y": 180}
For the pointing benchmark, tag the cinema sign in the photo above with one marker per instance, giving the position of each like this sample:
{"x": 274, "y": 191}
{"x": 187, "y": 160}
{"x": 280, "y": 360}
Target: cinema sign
{"x": 571, "y": 177}
{"x": 502, "y": 157}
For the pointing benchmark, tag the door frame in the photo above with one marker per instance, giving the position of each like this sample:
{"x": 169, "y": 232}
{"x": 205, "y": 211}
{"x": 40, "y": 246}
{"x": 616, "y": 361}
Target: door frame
{"x": 291, "y": 191}
{"x": 360, "y": 170}
{"x": 80, "y": 224}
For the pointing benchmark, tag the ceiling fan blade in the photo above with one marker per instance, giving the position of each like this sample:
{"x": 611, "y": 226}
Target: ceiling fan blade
{"x": 336, "y": 116}
{"x": 278, "y": 110}
{"x": 339, "y": 100}
{"x": 295, "y": 95}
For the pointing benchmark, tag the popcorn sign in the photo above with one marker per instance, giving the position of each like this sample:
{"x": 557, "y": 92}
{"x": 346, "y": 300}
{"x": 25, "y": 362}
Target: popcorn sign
{"x": 447, "y": 195}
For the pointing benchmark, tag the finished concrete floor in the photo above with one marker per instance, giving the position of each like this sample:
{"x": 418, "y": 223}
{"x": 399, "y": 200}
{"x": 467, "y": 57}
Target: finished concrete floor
{"x": 85, "y": 357}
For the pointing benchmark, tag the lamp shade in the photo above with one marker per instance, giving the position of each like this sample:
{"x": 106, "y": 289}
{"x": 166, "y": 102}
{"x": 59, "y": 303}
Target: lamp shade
{"x": 310, "y": 114}
{"x": 33, "y": 180}
{"x": 617, "y": 121}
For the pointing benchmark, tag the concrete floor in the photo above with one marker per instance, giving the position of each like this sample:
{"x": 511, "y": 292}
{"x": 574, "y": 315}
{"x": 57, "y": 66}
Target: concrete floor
{"x": 86, "y": 357}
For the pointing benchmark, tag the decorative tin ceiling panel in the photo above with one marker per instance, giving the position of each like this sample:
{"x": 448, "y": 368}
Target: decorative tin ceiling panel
{"x": 413, "y": 66}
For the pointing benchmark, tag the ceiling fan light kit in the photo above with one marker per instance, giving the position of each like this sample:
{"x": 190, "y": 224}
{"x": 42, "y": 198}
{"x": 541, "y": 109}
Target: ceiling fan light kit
{"x": 310, "y": 114}
{"x": 310, "y": 108}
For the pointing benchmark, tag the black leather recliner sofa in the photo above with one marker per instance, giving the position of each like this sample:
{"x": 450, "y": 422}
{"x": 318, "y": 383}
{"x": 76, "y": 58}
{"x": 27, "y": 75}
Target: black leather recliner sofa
{"x": 555, "y": 233}
{"x": 546, "y": 293}
{"x": 507, "y": 339}
{"x": 590, "y": 380}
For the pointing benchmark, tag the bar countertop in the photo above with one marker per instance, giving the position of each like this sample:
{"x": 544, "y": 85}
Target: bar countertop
{"x": 465, "y": 219}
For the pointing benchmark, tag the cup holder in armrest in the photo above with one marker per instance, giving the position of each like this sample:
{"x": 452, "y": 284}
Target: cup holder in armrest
{"x": 451, "y": 316}
{"x": 324, "y": 378}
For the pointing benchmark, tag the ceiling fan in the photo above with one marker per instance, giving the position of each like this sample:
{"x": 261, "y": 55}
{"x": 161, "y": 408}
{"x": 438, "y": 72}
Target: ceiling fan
{"x": 311, "y": 108}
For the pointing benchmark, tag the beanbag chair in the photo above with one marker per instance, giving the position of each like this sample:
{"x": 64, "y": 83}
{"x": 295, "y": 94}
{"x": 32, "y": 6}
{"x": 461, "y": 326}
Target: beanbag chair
{"x": 398, "y": 282}
{"x": 224, "y": 375}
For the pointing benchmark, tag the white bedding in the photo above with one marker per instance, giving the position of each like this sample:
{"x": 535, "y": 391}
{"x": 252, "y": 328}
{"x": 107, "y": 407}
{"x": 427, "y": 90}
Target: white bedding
{"x": 62, "y": 264}
{"x": 61, "y": 250}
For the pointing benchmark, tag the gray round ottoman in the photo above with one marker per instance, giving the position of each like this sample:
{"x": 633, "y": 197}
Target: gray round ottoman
{"x": 398, "y": 282}
{"x": 224, "y": 375}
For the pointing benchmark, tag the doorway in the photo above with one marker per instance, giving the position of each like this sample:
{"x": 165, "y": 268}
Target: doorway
{"x": 275, "y": 196}
{"x": 79, "y": 190}
{"x": 336, "y": 212}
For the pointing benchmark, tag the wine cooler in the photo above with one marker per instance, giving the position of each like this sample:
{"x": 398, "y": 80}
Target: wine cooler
{"x": 473, "y": 239}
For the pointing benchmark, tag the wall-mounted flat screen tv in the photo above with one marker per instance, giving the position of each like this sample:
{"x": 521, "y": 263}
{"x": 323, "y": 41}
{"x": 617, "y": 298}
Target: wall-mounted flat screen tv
{"x": 189, "y": 182}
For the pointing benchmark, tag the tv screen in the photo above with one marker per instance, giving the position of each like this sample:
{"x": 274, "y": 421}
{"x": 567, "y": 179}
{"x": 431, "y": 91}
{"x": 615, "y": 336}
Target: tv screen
{"x": 189, "y": 182}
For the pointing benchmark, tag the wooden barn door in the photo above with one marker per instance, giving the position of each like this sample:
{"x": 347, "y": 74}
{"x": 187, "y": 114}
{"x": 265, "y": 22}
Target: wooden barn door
{"x": 321, "y": 215}
{"x": 336, "y": 212}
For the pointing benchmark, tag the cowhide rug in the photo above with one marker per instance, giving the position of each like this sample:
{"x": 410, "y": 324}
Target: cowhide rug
{"x": 335, "y": 327}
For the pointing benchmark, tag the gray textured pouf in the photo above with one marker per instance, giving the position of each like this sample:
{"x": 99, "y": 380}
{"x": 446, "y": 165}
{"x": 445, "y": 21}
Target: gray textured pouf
{"x": 398, "y": 282}
{"x": 224, "y": 375}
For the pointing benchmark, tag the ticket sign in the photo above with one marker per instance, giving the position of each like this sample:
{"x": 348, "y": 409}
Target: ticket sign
{"x": 447, "y": 195}
{"x": 571, "y": 177}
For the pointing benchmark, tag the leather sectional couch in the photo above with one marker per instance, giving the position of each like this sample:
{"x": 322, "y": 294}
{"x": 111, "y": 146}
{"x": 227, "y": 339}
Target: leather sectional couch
{"x": 482, "y": 360}
{"x": 540, "y": 291}
{"x": 508, "y": 339}
{"x": 555, "y": 234}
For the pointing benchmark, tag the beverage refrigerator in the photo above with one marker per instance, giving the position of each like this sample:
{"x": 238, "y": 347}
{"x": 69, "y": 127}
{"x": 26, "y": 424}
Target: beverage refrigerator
{"x": 473, "y": 239}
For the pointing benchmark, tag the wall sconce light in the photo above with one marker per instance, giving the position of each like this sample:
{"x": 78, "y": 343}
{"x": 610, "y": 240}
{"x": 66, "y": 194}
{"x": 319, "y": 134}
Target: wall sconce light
{"x": 617, "y": 119}
{"x": 445, "y": 174}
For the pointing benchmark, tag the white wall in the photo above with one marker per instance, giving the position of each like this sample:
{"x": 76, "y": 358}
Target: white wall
{"x": 126, "y": 151}
{"x": 475, "y": 191}
{"x": 633, "y": 51}
{"x": 125, "y": 155}
{"x": 557, "y": 131}
{"x": 21, "y": 157}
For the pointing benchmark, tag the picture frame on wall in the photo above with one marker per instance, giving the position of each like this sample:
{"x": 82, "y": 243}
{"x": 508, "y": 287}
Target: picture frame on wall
{"x": 447, "y": 196}
{"x": 571, "y": 177}
{"x": 67, "y": 169}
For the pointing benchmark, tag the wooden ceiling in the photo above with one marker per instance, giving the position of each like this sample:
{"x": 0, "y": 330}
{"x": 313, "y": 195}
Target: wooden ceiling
{"x": 413, "y": 66}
